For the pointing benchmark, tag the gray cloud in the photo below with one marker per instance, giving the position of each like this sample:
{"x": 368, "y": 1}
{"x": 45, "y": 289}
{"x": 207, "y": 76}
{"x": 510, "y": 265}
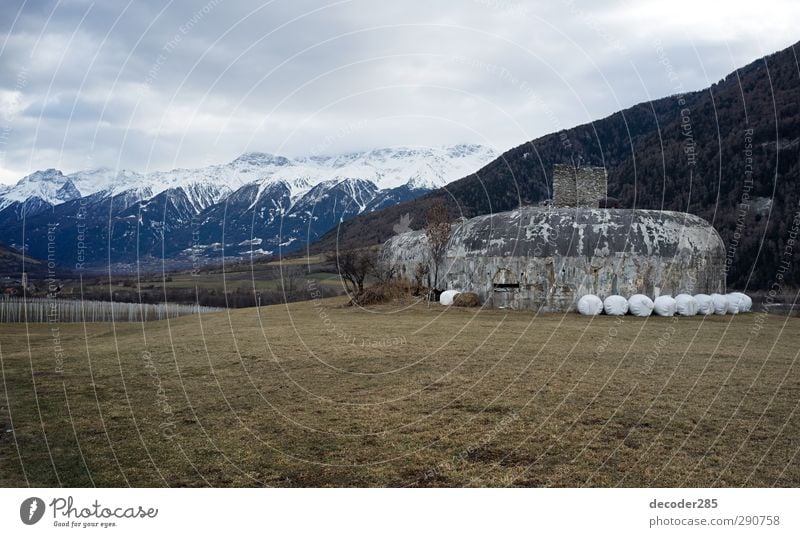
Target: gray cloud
{"x": 149, "y": 85}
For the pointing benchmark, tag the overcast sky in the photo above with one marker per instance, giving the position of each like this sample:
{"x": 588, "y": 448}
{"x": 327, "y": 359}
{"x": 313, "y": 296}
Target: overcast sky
{"x": 141, "y": 86}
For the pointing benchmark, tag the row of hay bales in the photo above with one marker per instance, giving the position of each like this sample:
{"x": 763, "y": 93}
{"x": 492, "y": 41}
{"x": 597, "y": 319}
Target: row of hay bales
{"x": 665, "y": 305}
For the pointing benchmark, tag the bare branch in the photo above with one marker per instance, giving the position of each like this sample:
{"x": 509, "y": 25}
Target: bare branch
{"x": 438, "y": 230}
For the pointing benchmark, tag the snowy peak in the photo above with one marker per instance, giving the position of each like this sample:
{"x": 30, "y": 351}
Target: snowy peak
{"x": 260, "y": 159}
{"x": 106, "y": 180}
{"x": 50, "y": 186}
{"x": 391, "y": 167}
{"x": 48, "y": 176}
{"x": 67, "y": 192}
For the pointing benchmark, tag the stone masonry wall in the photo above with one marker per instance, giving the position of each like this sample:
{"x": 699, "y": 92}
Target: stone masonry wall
{"x": 579, "y": 187}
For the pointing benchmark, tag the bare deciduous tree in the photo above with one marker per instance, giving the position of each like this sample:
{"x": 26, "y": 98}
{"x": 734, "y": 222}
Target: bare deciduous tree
{"x": 437, "y": 230}
{"x": 290, "y": 276}
{"x": 354, "y": 266}
{"x": 421, "y": 272}
{"x": 382, "y": 272}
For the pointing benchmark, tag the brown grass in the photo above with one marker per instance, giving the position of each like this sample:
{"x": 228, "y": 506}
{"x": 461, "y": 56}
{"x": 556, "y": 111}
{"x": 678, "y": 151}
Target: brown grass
{"x": 314, "y": 394}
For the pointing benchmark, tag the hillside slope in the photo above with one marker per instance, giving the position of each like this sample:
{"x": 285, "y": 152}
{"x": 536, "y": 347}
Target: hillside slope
{"x": 11, "y": 264}
{"x": 728, "y": 153}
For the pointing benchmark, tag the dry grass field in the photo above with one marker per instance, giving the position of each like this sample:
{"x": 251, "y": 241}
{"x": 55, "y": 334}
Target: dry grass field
{"x": 314, "y": 394}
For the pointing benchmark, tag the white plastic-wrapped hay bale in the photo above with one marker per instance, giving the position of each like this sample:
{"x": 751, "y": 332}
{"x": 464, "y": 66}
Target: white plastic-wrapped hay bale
{"x": 739, "y": 302}
{"x": 720, "y": 304}
{"x": 446, "y": 298}
{"x": 590, "y": 305}
{"x": 705, "y": 306}
{"x": 640, "y": 305}
{"x": 748, "y": 303}
{"x": 615, "y": 305}
{"x": 685, "y": 305}
{"x": 733, "y": 304}
{"x": 664, "y": 305}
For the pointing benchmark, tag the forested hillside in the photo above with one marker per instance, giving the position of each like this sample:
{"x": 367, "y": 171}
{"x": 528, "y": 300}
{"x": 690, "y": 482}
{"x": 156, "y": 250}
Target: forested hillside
{"x": 728, "y": 153}
{"x": 11, "y": 265}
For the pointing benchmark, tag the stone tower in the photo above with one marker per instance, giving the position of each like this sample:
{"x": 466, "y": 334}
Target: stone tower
{"x": 582, "y": 186}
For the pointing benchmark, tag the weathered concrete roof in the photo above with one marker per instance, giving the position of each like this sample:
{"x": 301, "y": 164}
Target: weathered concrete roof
{"x": 545, "y": 232}
{"x": 535, "y": 231}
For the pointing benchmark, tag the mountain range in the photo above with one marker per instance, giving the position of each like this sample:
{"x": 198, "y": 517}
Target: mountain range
{"x": 258, "y": 204}
{"x": 729, "y": 153}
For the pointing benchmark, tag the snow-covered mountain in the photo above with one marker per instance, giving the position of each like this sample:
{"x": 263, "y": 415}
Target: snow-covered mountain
{"x": 50, "y": 186}
{"x": 269, "y": 201}
{"x": 425, "y": 168}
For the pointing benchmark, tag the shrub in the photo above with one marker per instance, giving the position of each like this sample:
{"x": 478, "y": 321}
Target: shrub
{"x": 370, "y": 297}
{"x": 382, "y": 293}
{"x": 467, "y": 300}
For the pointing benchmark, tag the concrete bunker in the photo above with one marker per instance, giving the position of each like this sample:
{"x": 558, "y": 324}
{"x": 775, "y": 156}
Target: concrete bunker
{"x": 546, "y": 258}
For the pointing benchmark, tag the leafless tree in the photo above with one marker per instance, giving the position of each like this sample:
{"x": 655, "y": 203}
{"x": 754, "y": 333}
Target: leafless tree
{"x": 421, "y": 272}
{"x": 382, "y": 272}
{"x": 437, "y": 230}
{"x": 290, "y": 276}
{"x": 354, "y": 266}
